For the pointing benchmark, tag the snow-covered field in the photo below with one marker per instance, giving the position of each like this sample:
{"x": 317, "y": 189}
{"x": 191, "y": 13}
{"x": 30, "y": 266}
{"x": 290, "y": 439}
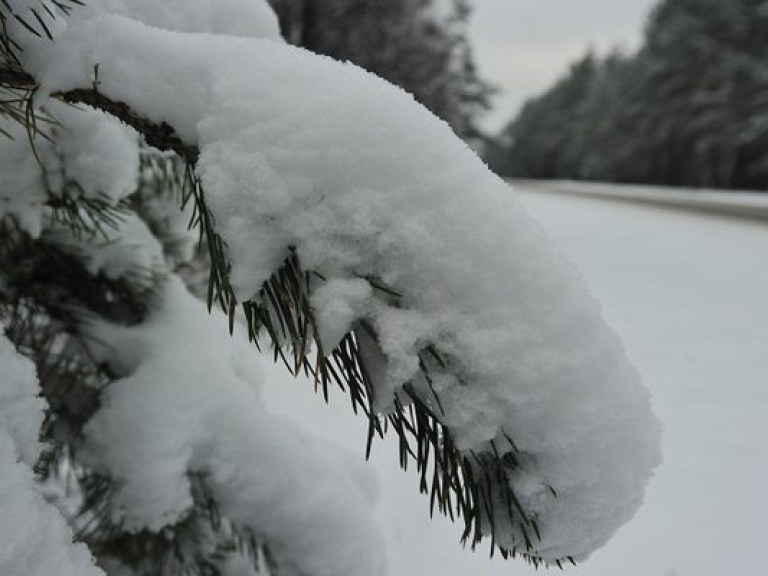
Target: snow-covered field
{"x": 689, "y": 295}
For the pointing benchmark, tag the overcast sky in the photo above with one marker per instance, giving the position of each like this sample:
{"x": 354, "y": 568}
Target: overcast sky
{"x": 523, "y": 46}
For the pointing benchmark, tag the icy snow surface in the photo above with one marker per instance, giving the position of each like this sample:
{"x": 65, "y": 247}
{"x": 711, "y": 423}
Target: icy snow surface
{"x": 299, "y": 150}
{"x": 688, "y": 294}
{"x": 34, "y": 539}
{"x": 190, "y": 403}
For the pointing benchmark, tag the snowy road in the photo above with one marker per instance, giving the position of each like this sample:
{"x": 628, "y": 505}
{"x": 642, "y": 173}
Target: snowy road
{"x": 689, "y": 296}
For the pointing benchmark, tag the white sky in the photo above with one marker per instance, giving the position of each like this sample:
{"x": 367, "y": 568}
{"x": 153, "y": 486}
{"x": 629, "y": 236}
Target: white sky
{"x": 523, "y": 46}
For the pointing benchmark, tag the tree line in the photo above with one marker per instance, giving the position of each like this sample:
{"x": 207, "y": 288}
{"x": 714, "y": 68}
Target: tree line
{"x": 689, "y": 108}
{"x": 419, "y": 45}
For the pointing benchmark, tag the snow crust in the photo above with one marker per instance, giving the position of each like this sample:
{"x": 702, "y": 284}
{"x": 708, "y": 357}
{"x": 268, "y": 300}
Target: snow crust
{"x": 190, "y": 403}
{"x": 302, "y": 151}
{"x": 34, "y": 539}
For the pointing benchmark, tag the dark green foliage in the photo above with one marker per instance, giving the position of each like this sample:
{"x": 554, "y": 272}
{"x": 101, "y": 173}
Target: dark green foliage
{"x": 403, "y": 41}
{"x": 690, "y": 108}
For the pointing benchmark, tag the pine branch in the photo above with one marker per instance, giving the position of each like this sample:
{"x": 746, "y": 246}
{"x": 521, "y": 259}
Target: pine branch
{"x": 475, "y": 486}
{"x": 35, "y": 21}
{"x": 472, "y": 486}
{"x": 158, "y": 135}
{"x": 16, "y": 79}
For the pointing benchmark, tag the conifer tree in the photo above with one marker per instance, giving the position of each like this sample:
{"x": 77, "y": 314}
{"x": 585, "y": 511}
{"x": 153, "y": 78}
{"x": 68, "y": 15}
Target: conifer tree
{"x": 687, "y": 109}
{"x": 420, "y": 45}
{"x": 309, "y": 187}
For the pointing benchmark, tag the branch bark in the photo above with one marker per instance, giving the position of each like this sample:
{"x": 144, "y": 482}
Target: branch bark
{"x": 160, "y": 135}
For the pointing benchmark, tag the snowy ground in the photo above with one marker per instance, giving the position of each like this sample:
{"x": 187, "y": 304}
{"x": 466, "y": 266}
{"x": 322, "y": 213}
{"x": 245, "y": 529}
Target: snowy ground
{"x": 688, "y": 294}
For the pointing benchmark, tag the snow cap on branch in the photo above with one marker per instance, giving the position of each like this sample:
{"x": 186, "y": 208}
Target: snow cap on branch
{"x": 304, "y": 155}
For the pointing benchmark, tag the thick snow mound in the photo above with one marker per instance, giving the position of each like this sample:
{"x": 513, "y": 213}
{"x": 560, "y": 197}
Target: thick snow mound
{"x": 300, "y": 151}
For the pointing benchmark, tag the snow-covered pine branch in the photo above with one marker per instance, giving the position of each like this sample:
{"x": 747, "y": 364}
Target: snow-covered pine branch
{"x": 342, "y": 211}
{"x": 197, "y": 478}
{"x": 27, "y": 522}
